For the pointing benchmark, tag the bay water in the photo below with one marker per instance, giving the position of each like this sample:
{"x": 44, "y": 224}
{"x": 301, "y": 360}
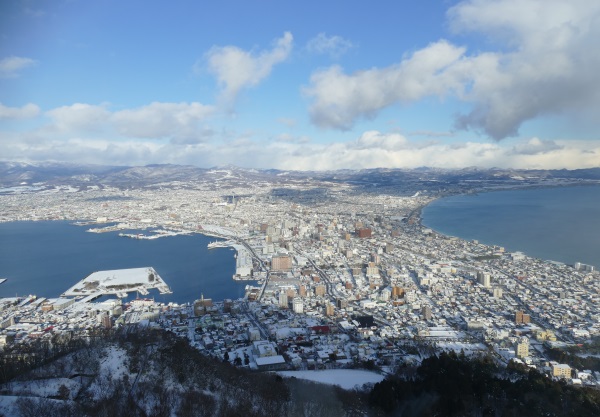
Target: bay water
{"x": 46, "y": 258}
{"x": 560, "y": 224}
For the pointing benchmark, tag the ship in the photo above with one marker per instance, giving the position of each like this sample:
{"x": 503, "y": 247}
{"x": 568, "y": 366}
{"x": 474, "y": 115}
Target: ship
{"x": 217, "y": 244}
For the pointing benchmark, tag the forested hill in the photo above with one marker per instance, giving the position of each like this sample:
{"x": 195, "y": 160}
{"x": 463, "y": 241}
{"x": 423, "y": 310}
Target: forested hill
{"x": 154, "y": 373}
{"x": 453, "y": 385}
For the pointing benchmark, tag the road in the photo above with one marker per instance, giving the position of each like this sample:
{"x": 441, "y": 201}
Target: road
{"x": 328, "y": 285}
{"x": 262, "y": 265}
{"x": 263, "y": 332}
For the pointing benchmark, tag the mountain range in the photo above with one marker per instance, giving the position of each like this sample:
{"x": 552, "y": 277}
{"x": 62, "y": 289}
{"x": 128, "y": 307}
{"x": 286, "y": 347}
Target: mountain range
{"x": 13, "y": 174}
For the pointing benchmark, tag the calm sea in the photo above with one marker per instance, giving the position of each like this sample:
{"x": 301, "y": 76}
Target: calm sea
{"x": 46, "y": 258}
{"x": 560, "y": 224}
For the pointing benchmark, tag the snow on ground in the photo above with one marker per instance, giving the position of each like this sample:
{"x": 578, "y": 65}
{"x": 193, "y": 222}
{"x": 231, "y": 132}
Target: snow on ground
{"x": 115, "y": 362}
{"x": 468, "y": 348}
{"x": 9, "y": 404}
{"x": 345, "y": 378}
{"x": 218, "y": 230}
{"x": 113, "y": 365}
{"x": 42, "y": 387}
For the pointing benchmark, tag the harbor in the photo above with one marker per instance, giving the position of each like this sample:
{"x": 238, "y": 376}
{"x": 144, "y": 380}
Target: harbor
{"x": 244, "y": 265}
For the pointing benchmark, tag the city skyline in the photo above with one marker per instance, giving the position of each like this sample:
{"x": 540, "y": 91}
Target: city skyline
{"x": 302, "y": 86}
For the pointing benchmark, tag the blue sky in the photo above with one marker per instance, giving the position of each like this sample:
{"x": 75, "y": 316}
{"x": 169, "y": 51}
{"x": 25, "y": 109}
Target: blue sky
{"x": 302, "y": 85}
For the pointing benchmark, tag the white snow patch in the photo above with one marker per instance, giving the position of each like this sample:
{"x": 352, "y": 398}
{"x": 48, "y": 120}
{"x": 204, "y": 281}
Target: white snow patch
{"x": 9, "y": 406}
{"x": 42, "y": 387}
{"x": 113, "y": 366}
{"x": 345, "y": 378}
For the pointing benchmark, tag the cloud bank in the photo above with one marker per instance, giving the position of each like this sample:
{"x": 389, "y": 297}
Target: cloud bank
{"x": 175, "y": 121}
{"x": 545, "y": 63}
{"x": 371, "y": 149}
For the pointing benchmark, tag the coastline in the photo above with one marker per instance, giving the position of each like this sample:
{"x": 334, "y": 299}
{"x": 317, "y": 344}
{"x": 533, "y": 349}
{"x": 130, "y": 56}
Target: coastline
{"x": 493, "y": 242}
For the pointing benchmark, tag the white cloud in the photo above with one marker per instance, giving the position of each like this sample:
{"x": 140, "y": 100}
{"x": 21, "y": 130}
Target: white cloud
{"x": 371, "y": 149}
{"x": 551, "y": 67}
{"x": 339, "y": 99}
{"x": 374, "y": 139}
{"x": 10, "y": 66}
{"x": 158, "y": 120}
{"x": 237, "y": 69}
{"x": 178, "y": 121}
{"x": 27, "y": 111}
{"x": 78, "y": 117}
{"x": 536, "y": 146}
{"x": 78, "y": 150}
{"x": 390, "y": 150}
{"x": 545, "y": 64}
{"x": 334, "y": 46}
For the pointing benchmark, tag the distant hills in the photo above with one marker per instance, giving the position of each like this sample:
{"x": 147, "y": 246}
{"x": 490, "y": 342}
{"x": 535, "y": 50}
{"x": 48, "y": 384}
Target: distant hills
{"x": 14, "y": 174}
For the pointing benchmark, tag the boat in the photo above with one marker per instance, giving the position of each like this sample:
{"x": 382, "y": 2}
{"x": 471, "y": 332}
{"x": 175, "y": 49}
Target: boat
{"x": 217, "y": 244}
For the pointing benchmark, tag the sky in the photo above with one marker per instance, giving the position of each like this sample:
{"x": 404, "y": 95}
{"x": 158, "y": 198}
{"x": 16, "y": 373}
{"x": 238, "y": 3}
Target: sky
{"x": 302, "y": 85}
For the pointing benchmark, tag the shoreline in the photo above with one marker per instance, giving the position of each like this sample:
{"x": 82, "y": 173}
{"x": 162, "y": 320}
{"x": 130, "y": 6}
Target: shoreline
{"x": 419, "y": 214}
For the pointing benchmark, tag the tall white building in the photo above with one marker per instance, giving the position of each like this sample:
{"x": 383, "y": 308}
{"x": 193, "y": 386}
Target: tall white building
{"x": 298, "y": 305}
{"x": 283, "y": 299}
{"x": 484, "y": 279}
{"x": 386, "y": 294}
{"x": 522, "y": 349}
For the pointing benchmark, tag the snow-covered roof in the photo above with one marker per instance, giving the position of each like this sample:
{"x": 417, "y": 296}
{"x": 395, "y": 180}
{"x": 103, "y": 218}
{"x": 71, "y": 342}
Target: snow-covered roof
{"x": 118, "y": 281}
{"x": 269, "y": 360}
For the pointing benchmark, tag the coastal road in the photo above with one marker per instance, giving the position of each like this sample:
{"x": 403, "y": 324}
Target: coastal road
{"x": 262, "y": 265}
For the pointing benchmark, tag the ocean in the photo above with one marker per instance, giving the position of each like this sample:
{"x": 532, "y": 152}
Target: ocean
{"x": 560, "y": 224}
{"x": 46, "y": 258}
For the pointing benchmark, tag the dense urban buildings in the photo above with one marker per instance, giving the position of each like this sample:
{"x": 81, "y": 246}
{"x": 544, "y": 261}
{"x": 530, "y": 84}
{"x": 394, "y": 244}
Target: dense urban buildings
{"x": 344, "y": 278}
